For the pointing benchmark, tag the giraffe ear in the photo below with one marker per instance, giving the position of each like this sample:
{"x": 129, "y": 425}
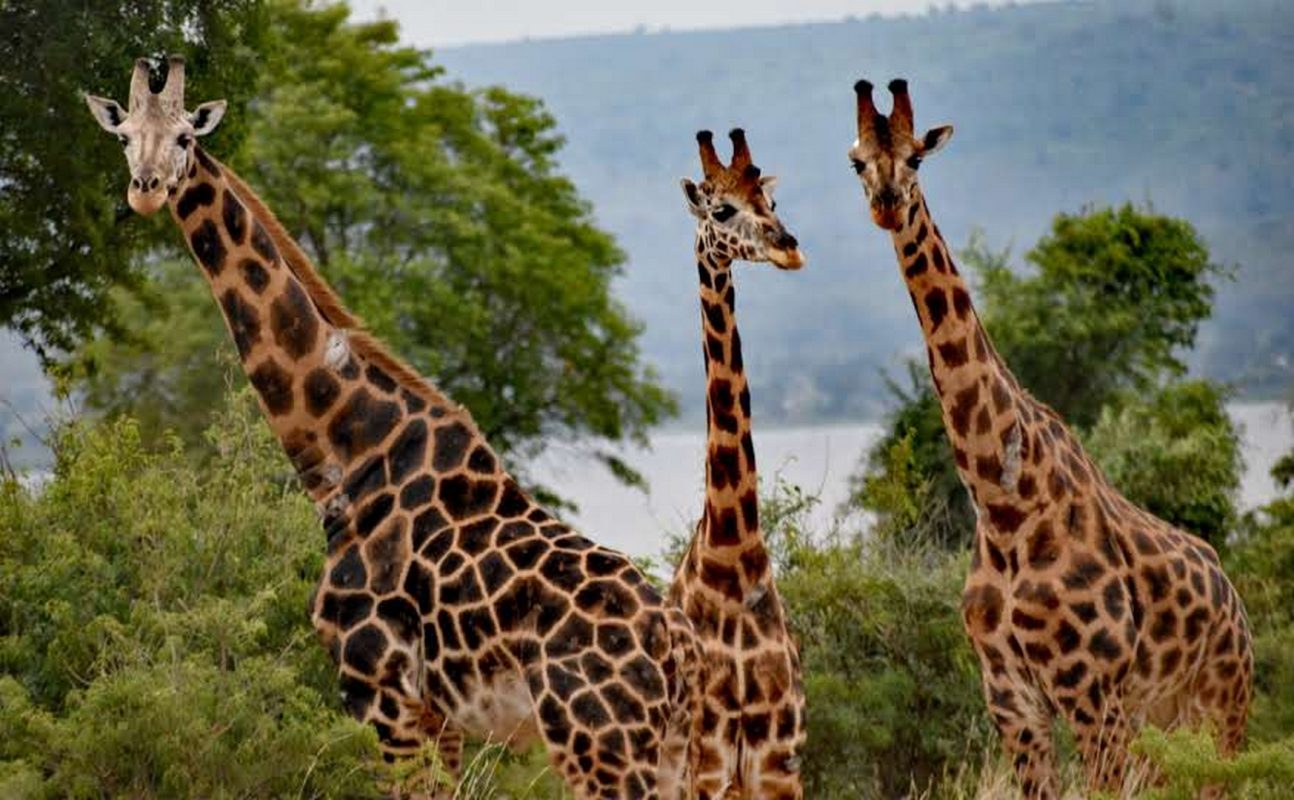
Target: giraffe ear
{"x": 106, "y": 112}
{"x": 206, "y": 117}
{"x": 695, "y": 202}
{"x": 768, "y": 183}
{"x": 936, "y": 138}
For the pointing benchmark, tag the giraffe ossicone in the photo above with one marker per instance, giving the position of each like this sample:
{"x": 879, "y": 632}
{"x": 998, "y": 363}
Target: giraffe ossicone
{"x": 750, "y": 732}
{"x": 1078, "y": 602}
{"x": 452, "y": 603}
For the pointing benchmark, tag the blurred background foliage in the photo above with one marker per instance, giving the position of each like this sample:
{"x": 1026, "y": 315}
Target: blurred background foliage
{"x": 438, "y": 212}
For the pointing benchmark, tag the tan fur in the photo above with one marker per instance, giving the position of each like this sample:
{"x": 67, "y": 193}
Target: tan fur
{"x": 327, "y": 301}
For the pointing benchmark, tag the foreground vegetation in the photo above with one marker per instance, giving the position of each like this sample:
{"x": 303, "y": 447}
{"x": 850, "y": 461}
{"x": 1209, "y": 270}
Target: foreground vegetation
{"x": 154, "y": 641}
{"x": 153, "y": 634}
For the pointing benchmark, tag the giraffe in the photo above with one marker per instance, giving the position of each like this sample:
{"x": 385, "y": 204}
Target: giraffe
{"x": 751, "y": 731}
{"x": 451, "y": 602}
{"x": 1077, "y": 602}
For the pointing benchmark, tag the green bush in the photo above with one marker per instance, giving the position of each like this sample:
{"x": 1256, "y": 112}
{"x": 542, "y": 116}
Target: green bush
{"x": 1261, "y": 563}
{"x": 891, "y": 682}
{"x": 153, "y": 631}
{"x": 1175, "y": 453}
{"x": 1189, "y": 761}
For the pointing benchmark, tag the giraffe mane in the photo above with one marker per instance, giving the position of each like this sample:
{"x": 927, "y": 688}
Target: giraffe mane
{"x": 326, "y": 300}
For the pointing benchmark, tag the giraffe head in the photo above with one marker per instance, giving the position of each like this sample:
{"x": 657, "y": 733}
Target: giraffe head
{"x": 156, "y": 132}
{"x": 887, "y": 153}
{"x": 734, "y": 207}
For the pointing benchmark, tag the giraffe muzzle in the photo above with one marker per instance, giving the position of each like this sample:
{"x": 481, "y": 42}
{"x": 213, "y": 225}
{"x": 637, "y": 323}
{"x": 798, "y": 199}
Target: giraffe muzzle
{"x": 885, "y": 209}
{"x": 146, "y": 194}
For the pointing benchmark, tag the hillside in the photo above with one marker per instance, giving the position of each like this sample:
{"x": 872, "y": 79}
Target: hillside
{"x": 1183, "y": 104}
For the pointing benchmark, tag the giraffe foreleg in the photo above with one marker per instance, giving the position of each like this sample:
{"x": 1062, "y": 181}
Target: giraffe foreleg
{"x": 1104, "y": 731}
{"x": 1024, "y": 724}
{"x": 1022, "y": 716}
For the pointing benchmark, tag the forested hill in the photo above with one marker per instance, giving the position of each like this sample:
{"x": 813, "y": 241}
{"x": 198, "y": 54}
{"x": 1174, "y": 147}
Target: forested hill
{"x": 1186, "y": 104}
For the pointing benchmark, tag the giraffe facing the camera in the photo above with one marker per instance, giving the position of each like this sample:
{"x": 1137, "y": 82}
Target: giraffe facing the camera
{"x": 1078, "y": 602}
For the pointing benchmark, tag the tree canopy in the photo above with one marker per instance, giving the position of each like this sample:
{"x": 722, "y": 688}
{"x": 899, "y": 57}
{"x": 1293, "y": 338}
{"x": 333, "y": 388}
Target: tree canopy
{"x": 65, "y": 242}
{"x": 1115, "y": 297}
{"x": 439, "y": 214}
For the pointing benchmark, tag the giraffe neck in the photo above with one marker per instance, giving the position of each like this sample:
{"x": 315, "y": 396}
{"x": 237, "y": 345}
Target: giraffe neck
{"x": 731, "y": 531}
{"x": 333, "y": 396}
{"x": 984, "y": 409}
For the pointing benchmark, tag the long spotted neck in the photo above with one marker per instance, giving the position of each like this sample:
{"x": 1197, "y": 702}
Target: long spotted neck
{"x": 983, "y": 405}
{"x": 731, "y": 531}
{"x": 342, "y": 407}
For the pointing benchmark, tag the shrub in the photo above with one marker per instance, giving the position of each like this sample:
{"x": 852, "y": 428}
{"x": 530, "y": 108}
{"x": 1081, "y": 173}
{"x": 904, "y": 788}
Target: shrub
{"x": 153, "y": 634}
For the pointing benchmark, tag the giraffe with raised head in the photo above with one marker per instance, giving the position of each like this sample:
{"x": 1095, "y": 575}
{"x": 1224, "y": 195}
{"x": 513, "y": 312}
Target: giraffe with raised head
{"x": 451, "y": 602}
{"x": 1078, "y": 602}
{"x": 751, "y": 729}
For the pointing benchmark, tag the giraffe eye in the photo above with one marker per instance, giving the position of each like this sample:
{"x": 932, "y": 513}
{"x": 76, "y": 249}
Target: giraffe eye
{"x": 724, "y": 213}
{"x": 914, "y": 161}
{"x": 183, "y": 140}
{"x": 859, "y": 165}
{"x": 123, "y": 138}
{"x": 772, "y": 205}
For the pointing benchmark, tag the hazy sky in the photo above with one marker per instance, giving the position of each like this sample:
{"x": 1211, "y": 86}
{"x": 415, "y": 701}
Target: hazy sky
{"x": 449, "y": 22}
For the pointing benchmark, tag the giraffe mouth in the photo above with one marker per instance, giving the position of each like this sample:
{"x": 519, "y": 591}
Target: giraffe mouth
{"x": 887, "y": 216}
{"x": 788, "y": 259}
{"x": 147, "y": 203}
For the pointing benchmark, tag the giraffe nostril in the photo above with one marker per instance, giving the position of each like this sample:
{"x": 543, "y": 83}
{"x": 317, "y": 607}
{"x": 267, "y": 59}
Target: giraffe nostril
{"x": 136, "y": 184}
{"x": 153, "y": 184}
{"x": 787, "y": 240}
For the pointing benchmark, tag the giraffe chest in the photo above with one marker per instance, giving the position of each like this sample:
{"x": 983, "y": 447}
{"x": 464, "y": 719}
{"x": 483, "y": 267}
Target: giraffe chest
{"x": 499, "y": 708}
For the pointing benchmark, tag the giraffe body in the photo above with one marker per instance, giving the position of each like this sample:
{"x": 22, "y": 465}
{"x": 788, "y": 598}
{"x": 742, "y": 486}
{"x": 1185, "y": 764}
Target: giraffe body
{"x": 451, "y": 602}
{"x": 750, "y": 732}
{"x": 1078, "y": 602}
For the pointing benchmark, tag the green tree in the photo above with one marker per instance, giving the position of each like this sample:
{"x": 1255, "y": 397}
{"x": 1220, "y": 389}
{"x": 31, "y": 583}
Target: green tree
{"x": 65, "y": 237}
{"x": 1261, "y": 563}
{"x": 439, "y": 214}
{"x": 1114, "y": 299}
{"x": 1176, "y": 454}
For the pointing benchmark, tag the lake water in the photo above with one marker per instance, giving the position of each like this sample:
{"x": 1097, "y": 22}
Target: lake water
{"x": 819, "y": 459}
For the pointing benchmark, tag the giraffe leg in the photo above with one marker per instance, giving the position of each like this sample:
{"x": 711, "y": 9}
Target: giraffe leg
{"x": 382, "y": 687}
{"x": 1024, "y": 723}
{"x": 679, "y": 752}
{"x": 1103, "y": 732}
{"x": 604, "y": 739}
{"x": 1220, "y": 698}
{"x": 714, "y": 727}
{"x": 1022, "y": 715}
{"x": 773, "y": 728}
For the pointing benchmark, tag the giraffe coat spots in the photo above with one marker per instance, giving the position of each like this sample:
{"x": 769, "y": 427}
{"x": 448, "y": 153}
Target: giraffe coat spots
{"x": 294, "y": 321}
{"x": 243, "y": 321}
{"x": 254, "y": 275}
{"x": 361, "y": 423}
{"x": 193, "y": 198}
{"x": 263, "y": 244}
{"x": 1106, "y": 601}
{"x": 235, "y": 218}
{"x": 207, "y": 246}
{"x": 321, "y": 391}
{"x": 451, "y": 443}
